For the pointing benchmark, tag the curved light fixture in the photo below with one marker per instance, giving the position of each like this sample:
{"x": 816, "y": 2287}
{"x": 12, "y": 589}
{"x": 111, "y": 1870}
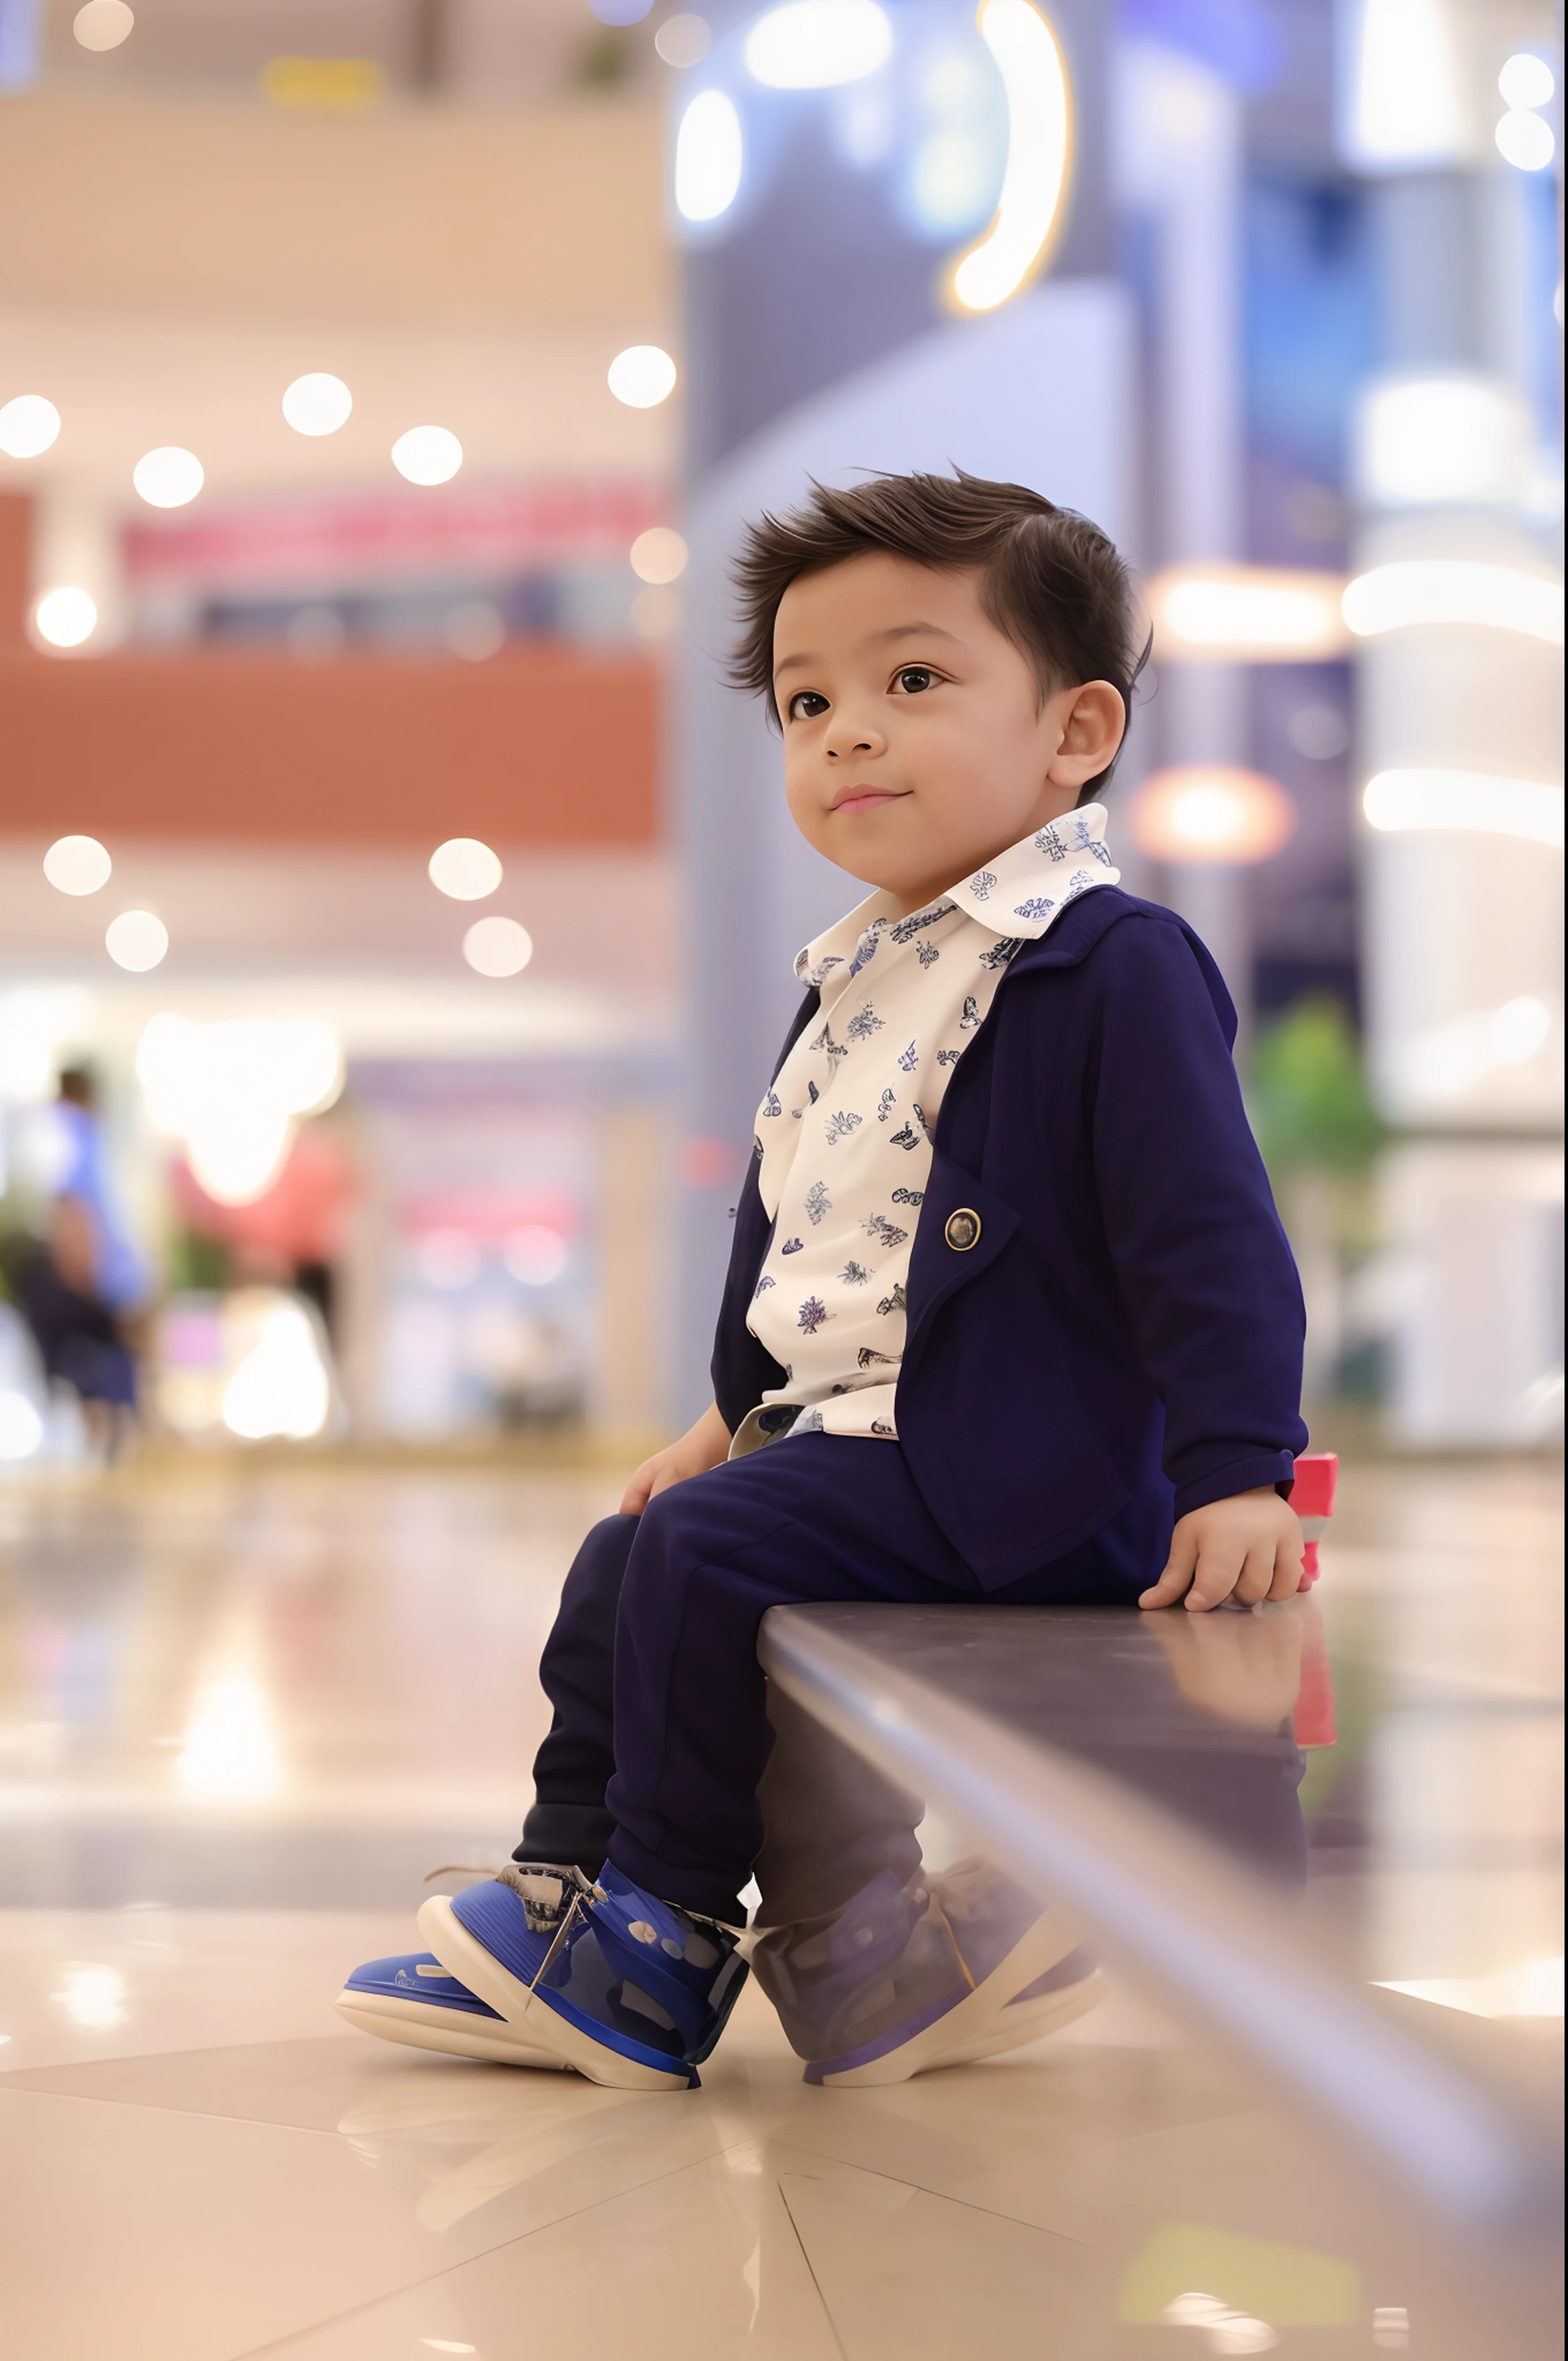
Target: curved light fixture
{"x": 1039, "y": 155}
{"x": 1453, "y": 590}
{"x": 817, "y": 44}
{"x": 708, "y": 154}
{"x": 1395, "y": 802}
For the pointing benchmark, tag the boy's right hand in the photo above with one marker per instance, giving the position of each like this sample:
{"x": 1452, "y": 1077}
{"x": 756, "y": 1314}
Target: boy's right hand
{"x": 702, "y": 1447}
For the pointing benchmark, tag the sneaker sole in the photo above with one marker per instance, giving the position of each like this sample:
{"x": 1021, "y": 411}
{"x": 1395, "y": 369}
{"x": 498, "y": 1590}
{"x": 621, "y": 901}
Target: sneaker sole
{"x": 463, "y": 1955}
{"x": 987, "y": 2021}
{"x": 449, "y": 2032}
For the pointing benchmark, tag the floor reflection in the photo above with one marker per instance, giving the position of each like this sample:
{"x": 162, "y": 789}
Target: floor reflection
{"x": 189, "y": 1868}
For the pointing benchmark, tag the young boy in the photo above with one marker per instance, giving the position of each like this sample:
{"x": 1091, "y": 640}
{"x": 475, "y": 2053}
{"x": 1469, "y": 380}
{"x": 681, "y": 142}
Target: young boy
{"x": 1007, "y": 1300}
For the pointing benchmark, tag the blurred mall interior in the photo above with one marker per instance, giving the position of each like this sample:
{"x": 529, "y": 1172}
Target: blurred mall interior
{"x": 397, "y": 913}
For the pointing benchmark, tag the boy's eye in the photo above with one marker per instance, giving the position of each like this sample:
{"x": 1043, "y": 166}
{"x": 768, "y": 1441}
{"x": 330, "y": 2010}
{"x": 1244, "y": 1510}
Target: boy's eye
{"x": 915, "y": 678}
{"x": 805, "y": 705}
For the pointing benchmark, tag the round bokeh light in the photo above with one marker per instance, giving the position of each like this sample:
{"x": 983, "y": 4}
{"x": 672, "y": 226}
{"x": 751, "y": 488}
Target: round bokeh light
{"x": 467, "y": 871}
{"x": 427, "y": 455}
{"x": 169, "y": 477}
{"x": 66, "y": 617}
{"x": 642, "y": 375}
{"x": 317, "y": 404}
{"x": 102, "y": 23}
{"x": 137, "y": 940}
{"x": 659, "y": 554}
{"x": 77, "y": 864}
{"x": 534, "y": 1254}
{"x": 1527, "y": 81}
{"x": 29, "y": 424}
{"x": 684, "y": 40}
{"x": 498, "y": 947}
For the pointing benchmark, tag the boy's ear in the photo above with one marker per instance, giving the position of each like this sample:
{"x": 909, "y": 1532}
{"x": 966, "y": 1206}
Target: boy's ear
{"x": 1092, "y": 719}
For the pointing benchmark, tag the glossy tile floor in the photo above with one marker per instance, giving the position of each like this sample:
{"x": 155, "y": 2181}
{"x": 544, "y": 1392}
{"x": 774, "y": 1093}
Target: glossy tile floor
{"x": 243, "y": 1708}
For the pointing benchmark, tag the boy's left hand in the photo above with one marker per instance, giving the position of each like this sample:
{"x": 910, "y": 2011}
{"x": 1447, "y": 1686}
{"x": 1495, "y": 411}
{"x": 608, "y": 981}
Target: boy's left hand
{"x": 1249, "y": 1548}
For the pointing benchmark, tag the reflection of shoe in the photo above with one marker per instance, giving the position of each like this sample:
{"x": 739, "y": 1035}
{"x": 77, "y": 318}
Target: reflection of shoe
{"x": 937, "y": 1973}
{"x": 413, "y": 2000}
{"x": 630, "y": 1991}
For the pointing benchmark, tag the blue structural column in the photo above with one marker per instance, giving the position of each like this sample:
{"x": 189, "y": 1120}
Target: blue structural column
{"x": 818, "y": 344}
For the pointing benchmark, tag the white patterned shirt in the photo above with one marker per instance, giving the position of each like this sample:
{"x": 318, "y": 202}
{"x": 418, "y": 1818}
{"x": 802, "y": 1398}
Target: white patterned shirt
{"x": 845, "y": 1133}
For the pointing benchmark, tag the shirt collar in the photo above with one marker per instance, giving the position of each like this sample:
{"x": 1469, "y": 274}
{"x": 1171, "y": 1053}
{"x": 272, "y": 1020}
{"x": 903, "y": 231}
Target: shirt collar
{"x": 1019, "y": 894}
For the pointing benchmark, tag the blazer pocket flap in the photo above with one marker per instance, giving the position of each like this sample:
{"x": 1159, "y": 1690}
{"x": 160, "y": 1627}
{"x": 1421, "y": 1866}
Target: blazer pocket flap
{"x": 963, "y": 1228}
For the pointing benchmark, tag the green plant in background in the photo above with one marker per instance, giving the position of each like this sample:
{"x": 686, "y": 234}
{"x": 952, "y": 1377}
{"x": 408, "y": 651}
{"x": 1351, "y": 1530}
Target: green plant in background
{"x": 1320, "y": 1134}
{"x": 1311, "y": 1103}
{"x": 197, "y": 1263}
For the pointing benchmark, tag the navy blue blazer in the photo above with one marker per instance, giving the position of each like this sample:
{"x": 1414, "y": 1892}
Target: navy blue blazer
{"x": 1129, "y": 1325}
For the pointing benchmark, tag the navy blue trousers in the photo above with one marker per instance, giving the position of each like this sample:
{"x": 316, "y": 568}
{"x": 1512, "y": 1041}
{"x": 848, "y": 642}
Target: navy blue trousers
{"x": 661, "y": 1733}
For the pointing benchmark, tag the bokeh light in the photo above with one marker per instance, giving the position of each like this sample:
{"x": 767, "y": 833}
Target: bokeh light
{"x": 498, "y": 947}
{"x": 1246, "y": 612}
{"x": 1398, "y": 801}
{"x": 659, "y": 554}
{"x": 536, "y": 1255}
{"x": 427, "y": 455}
{"x": 137, "y": 940}
{"x": 281, "y": 1386}
{"x": 464, "y": 869}
{"x": 620, "y": 12}
{"x": 1448, "y": 436}
{"x": 21, "y": 1428}
{"x": 708, "y": 158}
{"x": 169, "y": 477}
{"x": 229, "y": 1092}
{"x": 1453, "y": 590}
{"x": 77, "y": 864}
{"x": 29, "y": 424}
{"x": 317, "y": 404}
{"x": 1039, "y": 149}
{"x": 229, "y": 1754}
{"x": 642, "y": 375}
{"x": 1527, "y": 81}
{"x": 1527, "y": 141}
{"x": 94, "y": 1996}
{"x": 817, "y": 44}
{"x": 684, "y": 40}
{"x": 1212, "y": 812}
{"x": 1318, "y": 731}
{"x": 102, "y": 23}
{"x": 66, "y": 617}
{"x": 474, "y": 630}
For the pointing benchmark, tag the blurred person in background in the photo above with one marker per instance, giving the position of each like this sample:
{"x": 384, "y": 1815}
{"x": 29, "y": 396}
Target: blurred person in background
{"x": 82, "y": 1287}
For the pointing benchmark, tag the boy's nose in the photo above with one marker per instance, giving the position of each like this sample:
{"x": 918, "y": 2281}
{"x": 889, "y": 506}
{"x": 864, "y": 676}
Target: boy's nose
{"x": 855, "y": 739}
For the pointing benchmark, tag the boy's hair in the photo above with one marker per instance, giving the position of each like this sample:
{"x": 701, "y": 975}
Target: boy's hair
{"x": 1050, "y": 579}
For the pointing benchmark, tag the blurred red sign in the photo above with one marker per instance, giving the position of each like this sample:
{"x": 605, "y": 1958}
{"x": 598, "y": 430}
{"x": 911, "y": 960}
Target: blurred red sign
{"x": 484, "y": 529}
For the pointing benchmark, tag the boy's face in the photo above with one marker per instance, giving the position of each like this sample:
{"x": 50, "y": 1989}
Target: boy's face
{"x": 916, "y": 745}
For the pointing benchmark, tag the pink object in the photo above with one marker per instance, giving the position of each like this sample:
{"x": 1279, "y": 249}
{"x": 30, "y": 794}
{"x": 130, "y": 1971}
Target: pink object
{"x": 328, "y": 539}
{"x": 1312, "y": 1498}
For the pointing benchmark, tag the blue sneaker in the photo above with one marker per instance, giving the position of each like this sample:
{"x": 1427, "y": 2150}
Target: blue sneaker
{"x": 411, "y": 1999}
{"x": 632, "y": 1992}
{"x": 940, "y": 1971}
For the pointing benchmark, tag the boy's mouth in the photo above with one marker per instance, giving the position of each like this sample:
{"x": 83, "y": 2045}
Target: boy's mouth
{"x": 854, "y": 799}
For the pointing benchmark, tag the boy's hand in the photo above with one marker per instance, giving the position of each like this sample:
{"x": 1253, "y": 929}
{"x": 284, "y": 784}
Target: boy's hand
{"x": 702, "y": 1447}
{"x": 1249, "y": 1548}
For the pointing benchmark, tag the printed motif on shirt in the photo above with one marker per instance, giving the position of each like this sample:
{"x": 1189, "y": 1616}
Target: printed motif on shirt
{"x": 831, "y": 1298}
